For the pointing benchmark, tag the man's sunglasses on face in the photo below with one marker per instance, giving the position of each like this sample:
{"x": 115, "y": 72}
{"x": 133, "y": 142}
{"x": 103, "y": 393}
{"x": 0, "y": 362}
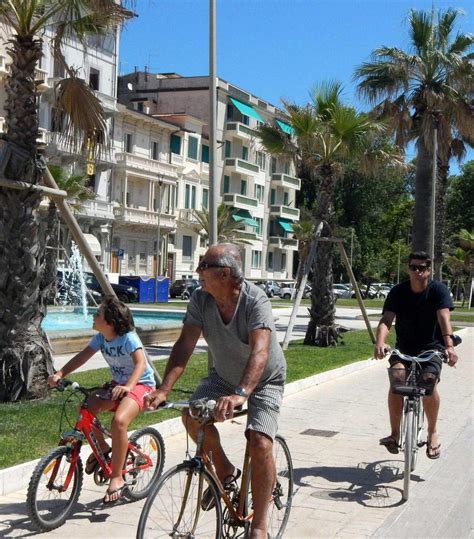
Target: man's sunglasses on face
{"x": 416, "y": 267}
{"x": 203, "y": 265}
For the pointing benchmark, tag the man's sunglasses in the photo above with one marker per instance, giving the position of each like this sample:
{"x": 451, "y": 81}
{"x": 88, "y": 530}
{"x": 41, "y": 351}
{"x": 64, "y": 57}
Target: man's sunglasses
{"x": 416, "y": 267}
{"x": 203, "y": 265}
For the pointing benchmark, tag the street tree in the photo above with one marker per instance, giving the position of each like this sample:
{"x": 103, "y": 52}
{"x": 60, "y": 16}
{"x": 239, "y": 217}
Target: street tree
{"x": 25, "y": 356}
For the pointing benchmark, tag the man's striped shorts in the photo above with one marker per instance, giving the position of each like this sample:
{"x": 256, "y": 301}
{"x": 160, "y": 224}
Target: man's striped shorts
{"x": 263, "y": 404}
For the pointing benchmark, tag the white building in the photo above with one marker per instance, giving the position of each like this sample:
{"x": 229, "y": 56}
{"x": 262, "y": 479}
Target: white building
{"x": 261, "y": 187}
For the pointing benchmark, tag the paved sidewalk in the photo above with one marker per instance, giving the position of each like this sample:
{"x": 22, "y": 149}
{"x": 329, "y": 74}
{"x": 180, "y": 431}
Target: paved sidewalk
{"x": 346, "y": 485}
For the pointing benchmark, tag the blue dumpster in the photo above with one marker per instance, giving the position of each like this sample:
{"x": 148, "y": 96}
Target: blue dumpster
{"x": 144, "y": 285}
{"x": 162, "y": 289}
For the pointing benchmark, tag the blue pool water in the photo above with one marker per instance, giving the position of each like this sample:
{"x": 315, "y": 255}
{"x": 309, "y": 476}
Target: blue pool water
{"x": 66, "y": 320}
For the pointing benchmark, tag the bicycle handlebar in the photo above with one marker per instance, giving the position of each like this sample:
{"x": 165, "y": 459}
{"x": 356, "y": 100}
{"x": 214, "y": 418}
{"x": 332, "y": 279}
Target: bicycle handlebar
{"x": 428, "y": 355}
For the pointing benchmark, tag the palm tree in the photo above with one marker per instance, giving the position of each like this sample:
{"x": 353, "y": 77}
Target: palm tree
{"x": 25, "y": 357}
{"x": 228, "y": 229}
{"x": 327, "y": 134}
{"x": 78, "y": 193}
{"x": 426, "y": 88}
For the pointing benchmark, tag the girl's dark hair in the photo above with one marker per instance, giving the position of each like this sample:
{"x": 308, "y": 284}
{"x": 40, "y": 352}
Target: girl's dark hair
{"x": 118, "y": 315}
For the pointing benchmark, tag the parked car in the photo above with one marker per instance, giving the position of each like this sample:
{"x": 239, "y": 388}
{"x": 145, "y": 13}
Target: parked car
{"x": 382, "y": 289}
{"x": 180, "y": 285}
{"x": 272, "y": 288}
{"x": 189, "y": 290}
{"x": 341, "y": 291}
{"x": 288, "y": 291}
{"x": 125, "y": 293}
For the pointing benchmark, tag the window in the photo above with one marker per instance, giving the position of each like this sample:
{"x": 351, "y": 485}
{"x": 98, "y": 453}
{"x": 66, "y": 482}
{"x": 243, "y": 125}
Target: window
{"x": 230, "y": 112}
{"x": 128, "y": 143}
{"x": 245, "y": 119}
{"x": 193, "y": 197}
{"x": 245, "y": 153}
{"x": 143, "y": 258}
{"x": 283, "y": 262}
{"x": 187, "y": 196}
{"x": 155, "y": 150}
{"x": 228, "y": 149}
{"x": 94, "y": 78}
{"x": 131, "y": 256}
{"x": 272, "y": 196}
{"x": 273, "y": 165}
{"x": 205, "y": 198}
{"x": 256, "y": 259}
{"x": 261, "y": 160}
{"x": 187, "y": 247}
{"x": 193, "y": 147}
{"x": 270, "y": 260}
{"x": 58, "y": 70}
{"x": 258, "y": 192}
{"x": 175, "y": 144}
{"x": 140, "y": 106}
{"x": 243, "y": 187}
{"x": 287, "y": 168}
{"x": 258, "y": 230}
{"x": 285, "y": 199}
{"x": 226, "y": 186}
{"x": 205, "y": 153}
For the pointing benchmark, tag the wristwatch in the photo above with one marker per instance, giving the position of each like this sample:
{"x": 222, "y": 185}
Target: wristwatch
{"x": 240, "y": 391}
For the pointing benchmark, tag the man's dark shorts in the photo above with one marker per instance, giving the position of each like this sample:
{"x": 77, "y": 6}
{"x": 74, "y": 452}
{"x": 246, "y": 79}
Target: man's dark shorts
{"x": 427, "y": 367}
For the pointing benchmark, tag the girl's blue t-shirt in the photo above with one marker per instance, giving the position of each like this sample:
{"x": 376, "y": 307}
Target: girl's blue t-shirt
{"x": 117, "y": 353}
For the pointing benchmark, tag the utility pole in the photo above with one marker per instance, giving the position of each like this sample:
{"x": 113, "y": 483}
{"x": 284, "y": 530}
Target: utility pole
{"x": 212, "y": 125}
{"x": 434, "y": 178}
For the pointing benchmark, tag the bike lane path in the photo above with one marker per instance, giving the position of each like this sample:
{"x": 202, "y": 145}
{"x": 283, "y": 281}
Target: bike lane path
{"x": 345, "y": 484}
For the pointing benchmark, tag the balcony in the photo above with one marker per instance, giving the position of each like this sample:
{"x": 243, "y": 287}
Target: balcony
{"x": 283, "y": 243}
{"x": 144, "y": 164}
{"x": 97, "y": 208}
{"x": 247, "y": 234}
{"x": 187, "y": 216}
{"x": 239, "y": 201}
{"x": 285, "y": 211}
{"x": 109, "y": 102}
{"x": 42, "y": 80}
{"x": 286, "y": 181}
{"x": 240, "y": 131}
{"x": 136, "y": 216}
{"x": 177, "y": 159}
{"x": 240, "y": 166}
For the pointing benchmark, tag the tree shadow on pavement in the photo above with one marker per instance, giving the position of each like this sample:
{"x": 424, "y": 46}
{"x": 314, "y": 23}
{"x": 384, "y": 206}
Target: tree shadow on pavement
{"x": 368, "y": 483}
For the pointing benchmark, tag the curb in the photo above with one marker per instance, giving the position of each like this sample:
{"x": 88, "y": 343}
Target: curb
{"x": 17, "y": 477}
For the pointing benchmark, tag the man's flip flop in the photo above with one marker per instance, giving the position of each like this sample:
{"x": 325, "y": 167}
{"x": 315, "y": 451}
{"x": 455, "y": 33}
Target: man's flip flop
{"x": 391, "y": 444}
{"x": 110, "y": 493}
{"x": 432, "y": 452}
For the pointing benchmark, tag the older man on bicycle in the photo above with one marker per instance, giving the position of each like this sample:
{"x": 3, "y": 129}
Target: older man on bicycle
{"x": 247, "y": 363}
{"x": 422, "y": 310}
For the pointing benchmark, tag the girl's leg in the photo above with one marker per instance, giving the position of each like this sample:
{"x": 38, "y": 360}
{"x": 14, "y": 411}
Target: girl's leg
{"x": 96, "y": 406}
{"x": 127, "y": 410}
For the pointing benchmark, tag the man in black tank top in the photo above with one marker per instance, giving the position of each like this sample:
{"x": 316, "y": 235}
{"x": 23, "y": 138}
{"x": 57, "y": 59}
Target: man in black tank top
{"x": 421, "y": 308}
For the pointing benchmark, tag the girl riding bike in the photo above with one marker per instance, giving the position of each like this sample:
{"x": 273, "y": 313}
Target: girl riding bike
{"x": 132, "y": 379}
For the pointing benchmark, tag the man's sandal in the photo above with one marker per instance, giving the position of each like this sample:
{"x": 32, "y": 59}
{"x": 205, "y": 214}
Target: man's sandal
{"x": 91, "y": 462}
{"x": 432, "y": 452}
{"x": 207, "y": 500}
{"x": 391, "y": 444}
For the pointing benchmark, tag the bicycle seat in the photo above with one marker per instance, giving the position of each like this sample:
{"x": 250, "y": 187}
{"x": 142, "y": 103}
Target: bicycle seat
{"x": 409, "y": 391}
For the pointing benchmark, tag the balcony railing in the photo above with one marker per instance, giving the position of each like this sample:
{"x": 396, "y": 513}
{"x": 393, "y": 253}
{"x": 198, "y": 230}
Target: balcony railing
{"x": 285, "y": 212}
{"x": 283, "y": 243}
{"x": 285, "y": 180}
{"x": 240, "y": 130}
{"x": 97, "y": 208}
{"x": 42, "y": 80}
{"x": 235, "y": 164}
{"x": 187, "y": 216}
{"x": 240, "y": 201}
{"x": 137, "y": 162}
{"x": 177, "y": 159}
{"x": 144, "y": 217}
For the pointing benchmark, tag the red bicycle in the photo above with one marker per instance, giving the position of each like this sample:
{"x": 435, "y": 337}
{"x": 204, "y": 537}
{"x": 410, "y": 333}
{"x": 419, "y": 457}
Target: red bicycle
{"x": 57, "y": 479}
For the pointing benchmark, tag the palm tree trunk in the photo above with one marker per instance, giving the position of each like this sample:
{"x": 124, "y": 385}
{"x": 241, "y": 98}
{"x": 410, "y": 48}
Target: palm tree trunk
{"x": 440, "y": 224}
{"x": 422, "y": 226}
{"x": 25, "y": 355}
{"x": 321, "y": 330}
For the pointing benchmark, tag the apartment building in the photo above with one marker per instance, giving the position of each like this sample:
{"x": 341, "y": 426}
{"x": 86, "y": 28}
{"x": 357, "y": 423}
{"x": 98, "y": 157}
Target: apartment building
{"x": 98, "y": 66}
{"x": 262, "y": 188}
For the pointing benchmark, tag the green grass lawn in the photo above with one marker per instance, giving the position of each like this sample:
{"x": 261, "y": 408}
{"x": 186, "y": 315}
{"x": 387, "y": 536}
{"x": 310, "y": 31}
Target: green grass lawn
{"x": 29, "y": 429}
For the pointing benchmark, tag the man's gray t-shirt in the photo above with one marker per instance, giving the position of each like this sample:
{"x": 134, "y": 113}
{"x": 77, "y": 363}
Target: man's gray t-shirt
{"x": 228, "y": 344}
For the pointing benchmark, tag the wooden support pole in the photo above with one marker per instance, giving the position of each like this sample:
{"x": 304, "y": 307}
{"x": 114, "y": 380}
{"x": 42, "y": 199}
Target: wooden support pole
{"x": 23, "y": 186}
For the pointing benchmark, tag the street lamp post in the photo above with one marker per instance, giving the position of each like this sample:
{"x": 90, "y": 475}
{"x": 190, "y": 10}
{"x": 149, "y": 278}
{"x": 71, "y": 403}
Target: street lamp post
{"x": 212, "y": 125}
{"x": 158, "y": 239}
{"x": 433, "y": 187}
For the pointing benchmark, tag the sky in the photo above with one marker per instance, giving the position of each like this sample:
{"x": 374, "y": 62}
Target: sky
{"x": 271, "y": 48}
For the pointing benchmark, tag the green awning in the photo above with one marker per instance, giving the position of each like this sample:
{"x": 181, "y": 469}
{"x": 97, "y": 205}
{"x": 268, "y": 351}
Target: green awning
{"x": 244, "y": 215}
{"x": 286, "y": 225}
{"x": 285, "y": 127}
{"x": 247, "y": 110}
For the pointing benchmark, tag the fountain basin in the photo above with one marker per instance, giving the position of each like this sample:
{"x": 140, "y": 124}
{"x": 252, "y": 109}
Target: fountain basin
{"x": 69, "y": 332}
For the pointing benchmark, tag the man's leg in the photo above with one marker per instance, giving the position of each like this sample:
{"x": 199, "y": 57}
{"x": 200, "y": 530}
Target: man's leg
{"x": 212, "y": 444}
{"x": 395, "y": 410}
{"x": 431, "y": 406}
{"x": 263, "y": 481}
